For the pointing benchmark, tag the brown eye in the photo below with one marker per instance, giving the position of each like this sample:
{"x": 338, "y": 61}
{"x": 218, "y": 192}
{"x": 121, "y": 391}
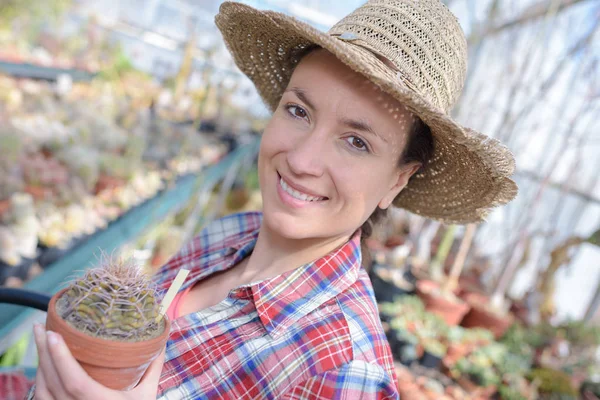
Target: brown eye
{"x": 297, "y": 112}
{"x": 358, "y": 143}
{"x": 300, "y": 112}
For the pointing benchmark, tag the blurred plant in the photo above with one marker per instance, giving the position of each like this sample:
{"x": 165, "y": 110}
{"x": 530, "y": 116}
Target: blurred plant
{"x": 9, "y": 253}
{"x": 435, "y": 348}
{"x": 558, "y": 257}
{"x": 83, "y": 161}
{"x": 32, "y": 9}
{"x": 553, "y": 384}
{"x": 522, "y": 341}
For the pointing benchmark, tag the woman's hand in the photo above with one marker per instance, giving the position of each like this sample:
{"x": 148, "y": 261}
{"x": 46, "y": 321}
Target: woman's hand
{"x": 59, "y": 375}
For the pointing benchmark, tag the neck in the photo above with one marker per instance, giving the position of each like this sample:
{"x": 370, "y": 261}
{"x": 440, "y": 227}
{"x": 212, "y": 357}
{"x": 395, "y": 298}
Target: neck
{"x": 274, "y": 255}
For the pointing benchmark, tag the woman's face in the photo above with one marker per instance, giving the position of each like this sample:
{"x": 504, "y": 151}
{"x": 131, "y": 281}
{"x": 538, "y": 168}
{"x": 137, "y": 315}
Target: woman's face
{"x": 330, "y": 154}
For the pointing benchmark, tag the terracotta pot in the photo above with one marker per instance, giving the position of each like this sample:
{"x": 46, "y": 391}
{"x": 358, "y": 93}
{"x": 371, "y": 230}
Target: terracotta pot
{"x": 473, "y": 297}
{"x": 481, "y": 317}
{"x": 107, "y": 182}
{"x": 117, "y": 365}
{"x": 476, "y": 391}
{"x": 394, "y": 241}
{"x": 520, "y": 311}
{"x": 4, "y": 207}
{"x": 455, "y": 353}
{"x": 37, "y": 192}
{"x": 451, "y": 311}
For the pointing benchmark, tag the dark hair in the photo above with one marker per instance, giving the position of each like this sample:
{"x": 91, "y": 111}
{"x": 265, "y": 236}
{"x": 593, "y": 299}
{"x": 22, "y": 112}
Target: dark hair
{"x": 419, "y": 148}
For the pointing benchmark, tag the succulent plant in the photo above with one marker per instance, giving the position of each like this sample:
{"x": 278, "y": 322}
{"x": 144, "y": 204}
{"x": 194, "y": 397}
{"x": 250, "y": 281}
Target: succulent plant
{"x": 75, "y": 219}
{"x": 435, "y": 348}
{"x": 11, "y": 146}
{"x": 553, "y": 383}
{"x": 82, "y": 161}
{"x": 114, "y": 301}
{"x": 41, "y": 171}
{"x": 8, "y": 248}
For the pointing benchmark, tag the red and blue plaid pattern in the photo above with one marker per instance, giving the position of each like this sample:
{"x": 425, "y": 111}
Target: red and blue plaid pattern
{"x": 310, "y": 333}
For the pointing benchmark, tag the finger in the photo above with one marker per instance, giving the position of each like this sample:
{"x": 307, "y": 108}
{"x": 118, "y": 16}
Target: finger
{"x": 41, "y": 390}
{"x": 52, "y": 383}
{"x": 75, "y": 381}
{"x": 51, "y": 372}
{"x": 148, "y": 385}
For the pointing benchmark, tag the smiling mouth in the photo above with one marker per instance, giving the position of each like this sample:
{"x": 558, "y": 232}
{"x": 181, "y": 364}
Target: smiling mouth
{"x": 299, "y": 195}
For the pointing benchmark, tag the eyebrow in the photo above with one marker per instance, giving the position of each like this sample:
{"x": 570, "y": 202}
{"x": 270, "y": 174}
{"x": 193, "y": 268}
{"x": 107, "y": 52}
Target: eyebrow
{"x": 359, "y": 125}
{"x": 302, "y": 96}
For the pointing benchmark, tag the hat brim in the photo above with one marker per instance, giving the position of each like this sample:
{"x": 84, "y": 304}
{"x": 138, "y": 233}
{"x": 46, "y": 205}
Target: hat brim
{"x": 469, "y": 174}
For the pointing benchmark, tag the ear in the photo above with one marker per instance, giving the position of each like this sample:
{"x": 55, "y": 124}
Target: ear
{"x": 403, "y": 175}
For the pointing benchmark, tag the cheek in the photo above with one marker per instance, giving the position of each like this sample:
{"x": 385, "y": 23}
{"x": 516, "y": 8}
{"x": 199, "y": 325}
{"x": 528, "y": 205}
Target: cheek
{"x": 277, "y": 137}
{"x": 361, "y": 183}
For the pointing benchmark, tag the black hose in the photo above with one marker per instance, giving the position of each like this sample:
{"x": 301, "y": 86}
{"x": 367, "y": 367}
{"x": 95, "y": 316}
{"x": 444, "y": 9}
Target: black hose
{"x": 25, "y": 298}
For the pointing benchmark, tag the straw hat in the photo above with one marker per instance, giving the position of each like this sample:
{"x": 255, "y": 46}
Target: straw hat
{"x": 469, "y": 173}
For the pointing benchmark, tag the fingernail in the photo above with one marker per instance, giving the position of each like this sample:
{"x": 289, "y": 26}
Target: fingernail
{"x": 52, "y": 338}
{"x": 38, "y": 330}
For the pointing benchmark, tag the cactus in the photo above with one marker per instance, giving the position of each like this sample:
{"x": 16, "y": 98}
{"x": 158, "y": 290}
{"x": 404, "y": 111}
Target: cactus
{"x": 115, "y": 301}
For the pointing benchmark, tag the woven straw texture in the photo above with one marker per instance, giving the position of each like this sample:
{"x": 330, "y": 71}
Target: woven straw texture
{"x": 470, "y": 173}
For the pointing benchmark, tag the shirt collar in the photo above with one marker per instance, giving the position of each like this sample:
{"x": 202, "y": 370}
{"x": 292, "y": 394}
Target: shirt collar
{"x": 282, "y": 300}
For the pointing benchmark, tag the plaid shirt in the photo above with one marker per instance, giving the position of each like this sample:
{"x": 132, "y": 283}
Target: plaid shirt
{"x": 310, "y": 333}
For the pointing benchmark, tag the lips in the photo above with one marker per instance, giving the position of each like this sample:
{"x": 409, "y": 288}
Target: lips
{"x": 299, "y": 194}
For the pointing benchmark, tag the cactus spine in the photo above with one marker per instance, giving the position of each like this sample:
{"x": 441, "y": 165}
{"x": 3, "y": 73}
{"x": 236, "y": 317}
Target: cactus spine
{"x": 115, "y": 301}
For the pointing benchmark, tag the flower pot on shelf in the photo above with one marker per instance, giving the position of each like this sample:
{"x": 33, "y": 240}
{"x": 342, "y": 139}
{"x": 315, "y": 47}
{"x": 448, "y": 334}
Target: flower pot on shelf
{"x": 451, "y": 309}
{"x": 50, "y": 255}
{"x": 475, "y": 391}
{"x": 4, "y": 207}
{"x": 386, "y": 290}
{"x": 481, "y": 316}
{"x": 107, "y": 182}
{"x": 473, "y": 297}
{"x": 38, "y": 192}
{"x": 430, "y": 360}
{"x": 20, "y": 271}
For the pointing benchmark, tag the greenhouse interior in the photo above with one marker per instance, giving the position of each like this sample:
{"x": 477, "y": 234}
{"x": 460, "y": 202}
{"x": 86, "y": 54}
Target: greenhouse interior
{"x": 126, "y": 128}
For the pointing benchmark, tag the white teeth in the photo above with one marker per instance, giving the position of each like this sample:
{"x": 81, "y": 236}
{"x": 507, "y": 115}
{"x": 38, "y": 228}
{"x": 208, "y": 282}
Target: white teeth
{"x": 295, "y": 194}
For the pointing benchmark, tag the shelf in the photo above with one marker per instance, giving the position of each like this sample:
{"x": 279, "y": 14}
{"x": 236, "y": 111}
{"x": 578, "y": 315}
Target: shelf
{"x": 15, "y": 320}
{"x": 33, "y": 71}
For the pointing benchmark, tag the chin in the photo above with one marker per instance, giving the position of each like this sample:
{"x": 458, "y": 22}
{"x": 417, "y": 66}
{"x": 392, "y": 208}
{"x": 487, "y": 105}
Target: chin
{"x": 286, "y": 225}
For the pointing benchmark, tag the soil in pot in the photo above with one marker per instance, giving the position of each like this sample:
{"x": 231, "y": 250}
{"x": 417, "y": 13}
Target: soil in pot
{"x": 446, "y": 305}
{"x": 115, "y": 364}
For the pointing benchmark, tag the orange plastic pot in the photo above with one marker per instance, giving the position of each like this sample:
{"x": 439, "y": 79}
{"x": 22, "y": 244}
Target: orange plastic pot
{"x": 451, "y": 311}
{"x": 114, "y": 364}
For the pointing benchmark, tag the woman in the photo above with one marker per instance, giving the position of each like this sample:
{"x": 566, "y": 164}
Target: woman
{"x": 277, "y": 304}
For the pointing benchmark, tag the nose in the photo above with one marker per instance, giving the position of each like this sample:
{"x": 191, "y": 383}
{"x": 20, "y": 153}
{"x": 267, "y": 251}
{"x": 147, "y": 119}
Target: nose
{"x": 308, "y": 155}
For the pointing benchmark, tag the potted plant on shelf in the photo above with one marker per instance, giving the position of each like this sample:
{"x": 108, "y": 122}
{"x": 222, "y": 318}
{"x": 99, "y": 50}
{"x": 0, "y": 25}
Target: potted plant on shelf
{"x": 434, "y": 352}
{"x": 110, "y": 320}
{"x": 440, "y": 298}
